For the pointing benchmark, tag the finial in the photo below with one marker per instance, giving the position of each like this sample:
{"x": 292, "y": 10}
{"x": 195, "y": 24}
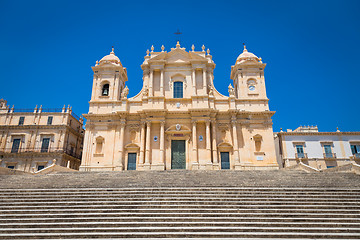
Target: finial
{"x": 337, "y": 129}
{"x": 193, "y": 47}
{"x": 245, "y": 50}
{"x": 152, "y": 48}
{"x": 178, "y": 44}
{"x": 281, "y": 130}
{"x": 203, "y": 48}
{"x": 112, "y": 49}
{"x": 208, "y": 51}
{"x": 147, "y": 52}
{"x": 162, "y": 48}
{"x": 97, "y": 63}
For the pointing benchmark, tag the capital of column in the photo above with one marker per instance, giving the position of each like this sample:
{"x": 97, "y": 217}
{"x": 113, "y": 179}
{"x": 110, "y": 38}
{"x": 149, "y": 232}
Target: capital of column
{"x": 148, "y": 123}
{"x": 162, "y": 122}
{"x": 122, "y": 122}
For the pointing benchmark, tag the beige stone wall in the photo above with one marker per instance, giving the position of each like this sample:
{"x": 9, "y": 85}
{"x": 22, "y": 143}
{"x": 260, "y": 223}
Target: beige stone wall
{"x": 209, "y": 122}
{"x": 65, "y": 133}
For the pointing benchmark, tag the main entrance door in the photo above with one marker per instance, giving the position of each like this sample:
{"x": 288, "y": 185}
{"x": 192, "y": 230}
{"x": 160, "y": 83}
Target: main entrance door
{"x": 225, "y": 161}
{"x": 178, "y": 160}
{"x": 131, "y": 161}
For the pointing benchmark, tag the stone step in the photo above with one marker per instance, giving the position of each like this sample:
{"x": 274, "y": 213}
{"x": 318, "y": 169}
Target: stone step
{"x": 181, "y": 204}
{"x": 177, "y": 195}
{"x": 192, "y": 195}
{"x": 162, "y": 219}
{"x": 233, "y": 189}
{"x": 178, "y": 224}
{"x": 160, "y": 205}
{"x": 290, "y": 214}
{"x": 191, "y": 199}
{"x": 165, "y": 234}
{"x": 139, "y": 179}
{"x": 207, "y": 229}
{"x": 177, "y": 210}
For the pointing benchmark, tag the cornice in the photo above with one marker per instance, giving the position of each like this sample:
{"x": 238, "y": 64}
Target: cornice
{"x": 316, "y": 133}
{"x": 33, "y": 126}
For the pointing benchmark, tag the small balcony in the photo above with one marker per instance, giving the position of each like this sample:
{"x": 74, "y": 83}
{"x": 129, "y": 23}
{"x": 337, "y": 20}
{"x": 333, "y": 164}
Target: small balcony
{"x": 301, "y": 155}
{"x": 329, "y": 155}
{"x": 41, "y": 151}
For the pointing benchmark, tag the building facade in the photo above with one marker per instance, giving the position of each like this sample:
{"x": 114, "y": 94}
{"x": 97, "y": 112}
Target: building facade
{"x": 319, "y": 150}
{"x": 179, "y": 120}
{"x": 32, "y": 139}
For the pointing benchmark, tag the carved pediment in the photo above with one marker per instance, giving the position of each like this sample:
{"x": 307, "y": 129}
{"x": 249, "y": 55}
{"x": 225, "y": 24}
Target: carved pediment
{"x": 178, "y": 55}
{"x": 178, "y": 128}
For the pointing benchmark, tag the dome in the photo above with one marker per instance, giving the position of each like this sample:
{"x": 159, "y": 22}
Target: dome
{"x": 111, "y": 58}
{"x": 245, "y": 55}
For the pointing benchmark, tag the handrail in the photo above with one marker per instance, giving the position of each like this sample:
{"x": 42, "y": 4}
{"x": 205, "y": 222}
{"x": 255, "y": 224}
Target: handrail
{"x": 301, "y": 155}
{"x": 42, "y": 150}
{"x": 329, "y": 155}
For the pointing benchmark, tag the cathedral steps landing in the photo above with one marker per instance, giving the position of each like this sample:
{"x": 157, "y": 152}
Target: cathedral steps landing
{"x": 181, "y": 204}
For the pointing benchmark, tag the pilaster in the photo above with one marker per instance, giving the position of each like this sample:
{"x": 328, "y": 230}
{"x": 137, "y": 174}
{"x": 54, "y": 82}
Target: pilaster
{"x": 147, "y": 149}
{"x": 214, "y": 146}
{"x": 195, "y": 164}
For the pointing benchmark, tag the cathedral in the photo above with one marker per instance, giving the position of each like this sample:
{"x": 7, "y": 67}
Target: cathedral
{"x": 179, "y": 120}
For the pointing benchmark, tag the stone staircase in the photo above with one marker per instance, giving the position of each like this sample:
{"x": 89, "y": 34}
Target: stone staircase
{"x": 181, "y": 204}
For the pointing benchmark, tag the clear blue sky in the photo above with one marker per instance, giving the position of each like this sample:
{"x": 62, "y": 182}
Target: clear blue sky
{"x": 311, "y": 49}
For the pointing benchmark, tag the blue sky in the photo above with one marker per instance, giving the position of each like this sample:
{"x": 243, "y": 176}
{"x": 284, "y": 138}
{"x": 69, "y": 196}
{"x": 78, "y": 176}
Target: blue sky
{"x": 311, "y": 49}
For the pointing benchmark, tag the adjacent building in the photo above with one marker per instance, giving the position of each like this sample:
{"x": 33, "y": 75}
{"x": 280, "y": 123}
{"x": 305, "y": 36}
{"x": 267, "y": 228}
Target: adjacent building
{"x": 32, "y": 139}
{"x": 179, "y": 120}
{"x": 319, "y": 150}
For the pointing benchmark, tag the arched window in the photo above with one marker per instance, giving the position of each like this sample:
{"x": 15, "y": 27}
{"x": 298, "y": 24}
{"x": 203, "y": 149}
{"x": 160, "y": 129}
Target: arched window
{"x": 105, "y": 90}
{"x": 178, "y": 90}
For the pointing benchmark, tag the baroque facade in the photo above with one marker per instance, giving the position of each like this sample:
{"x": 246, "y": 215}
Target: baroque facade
{"x": 319, "y": 150}
{"x": 179, "y": 120}
{"x": 33, "y": 139}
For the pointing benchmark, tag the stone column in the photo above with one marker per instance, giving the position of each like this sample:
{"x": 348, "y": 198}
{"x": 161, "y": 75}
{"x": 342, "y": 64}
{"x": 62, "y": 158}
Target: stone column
{"x": 235, "y": 137}
{"x": 194, "y": 81}
{"x": 208, "y": 141}
{"x": 151, "y": 82}
{"x": 121, "y": 149}
{"x": 148, "y": 139}
{"x": 162, "y": 142}
{"x": 204, "y": 81}
{"x": 214, "y": 147}
{"x": 162, "y": 82}
{"x": 142, "y": 142}
{"x": 195, "y": 160}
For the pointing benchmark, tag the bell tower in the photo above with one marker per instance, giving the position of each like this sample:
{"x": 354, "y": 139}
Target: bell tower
{"x": 109, "y": 79}
{"x": 248, "y": 76}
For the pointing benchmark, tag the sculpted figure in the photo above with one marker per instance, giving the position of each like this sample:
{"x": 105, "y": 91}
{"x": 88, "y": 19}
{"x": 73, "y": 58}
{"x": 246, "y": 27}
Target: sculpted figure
{"x": 125, "y": 92}
{"x": 231, "y": 90}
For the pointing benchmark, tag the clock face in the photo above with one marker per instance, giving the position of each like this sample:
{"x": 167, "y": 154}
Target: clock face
{"x": 251, "y": 88}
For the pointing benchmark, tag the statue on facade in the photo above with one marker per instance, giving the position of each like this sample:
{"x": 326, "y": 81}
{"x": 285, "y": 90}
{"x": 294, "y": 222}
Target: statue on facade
{"x": 125, "y": 92}
{"x": 145, "y": 93}
{"x": 211, "y": 91}
{"x": 231, "y": 91}
{"x": 3, "y": 103}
